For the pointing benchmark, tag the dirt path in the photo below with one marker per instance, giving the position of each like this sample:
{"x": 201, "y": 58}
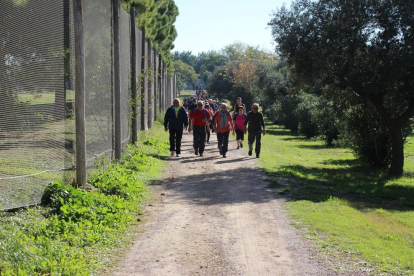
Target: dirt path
{"x": 218, "y": 217}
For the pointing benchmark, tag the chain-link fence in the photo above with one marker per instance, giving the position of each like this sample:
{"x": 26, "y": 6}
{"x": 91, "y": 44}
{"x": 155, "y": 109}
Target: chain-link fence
{"x": 37, "y": 92}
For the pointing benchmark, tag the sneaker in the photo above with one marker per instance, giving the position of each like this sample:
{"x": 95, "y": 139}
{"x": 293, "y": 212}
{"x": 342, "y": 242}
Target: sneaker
{"x": 178, "y": 155}
{"x": 241, "y": 145}
{"x": 172, "y": 153}
{"x": 196, "y": 152}
{"x": 257, "y": 155}
{"x": 238, "y": 147}
{"x": 250, "y": 153}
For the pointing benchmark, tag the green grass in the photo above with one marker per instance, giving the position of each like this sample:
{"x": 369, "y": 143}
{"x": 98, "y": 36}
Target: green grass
{"x": 184, "y": 95}
{"x": 44, "y": 98}
{"x": 82, "y": 232}
{"x": 341, "y": 202}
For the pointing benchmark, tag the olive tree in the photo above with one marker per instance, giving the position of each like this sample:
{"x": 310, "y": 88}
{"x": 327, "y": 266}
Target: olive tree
{"x": 365, "y": 48}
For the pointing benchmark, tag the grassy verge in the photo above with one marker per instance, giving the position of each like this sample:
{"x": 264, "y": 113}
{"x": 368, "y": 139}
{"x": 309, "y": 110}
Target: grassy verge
{"x": 76, "y": 232}
{"x": 342, "y": 203}
{"x": 44, "y": 98}
{"x": 185, "y": 94}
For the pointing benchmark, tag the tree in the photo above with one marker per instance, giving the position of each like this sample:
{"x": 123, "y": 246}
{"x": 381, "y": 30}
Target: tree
{"x": 210, "y": 62}
{"x": 158, "y": 18}
{"x": 364, "y": 48}
{"x": 185, "y": 73}
{"x": 186, "y": 56}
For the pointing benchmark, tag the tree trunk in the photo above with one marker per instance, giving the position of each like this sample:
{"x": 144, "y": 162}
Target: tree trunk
{"x": 397, "y": 142}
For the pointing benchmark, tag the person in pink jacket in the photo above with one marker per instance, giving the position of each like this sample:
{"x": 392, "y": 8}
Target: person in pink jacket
{"x": 238, "y": 125}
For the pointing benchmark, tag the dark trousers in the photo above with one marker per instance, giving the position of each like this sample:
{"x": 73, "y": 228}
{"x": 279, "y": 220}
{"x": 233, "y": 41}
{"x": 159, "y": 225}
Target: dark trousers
{"x": 255, "y": 135}
{"x": 223, "y": 141}
{"x": 240, "y": 135}
{"x": 199, "y": 134}
{"x": 175, "y": 140}
{"x": 207, "y": 135}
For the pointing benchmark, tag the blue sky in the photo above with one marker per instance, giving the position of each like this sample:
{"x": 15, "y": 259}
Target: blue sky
{"x": 210, "y": 25}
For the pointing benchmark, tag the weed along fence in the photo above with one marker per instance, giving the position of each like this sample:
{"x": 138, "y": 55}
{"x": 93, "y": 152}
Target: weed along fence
{"x": 79, "y": 81}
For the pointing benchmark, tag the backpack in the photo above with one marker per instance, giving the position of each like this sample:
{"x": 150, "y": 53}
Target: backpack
{"x": 205, "y": 112}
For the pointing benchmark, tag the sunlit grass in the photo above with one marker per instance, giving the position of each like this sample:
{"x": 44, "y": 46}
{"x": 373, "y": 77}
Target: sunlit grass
{"x": 344, "y": 203}
{"x": 44, "y": 97}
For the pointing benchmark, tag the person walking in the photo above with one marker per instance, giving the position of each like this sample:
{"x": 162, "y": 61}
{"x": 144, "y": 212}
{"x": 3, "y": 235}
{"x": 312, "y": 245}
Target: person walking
{"x": 256, "y": 126}
{"x": 238, "y": 124}
{"x": 199, "y": 118}
{"x": 222, "y": 123}
{"x": 192, "y": 105}
{"x": 175, "y": 120}
{"x": 238, "y": 104}
{"x": 210, "y": 122}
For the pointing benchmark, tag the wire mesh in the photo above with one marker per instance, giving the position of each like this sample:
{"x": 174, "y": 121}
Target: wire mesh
{"x": 99, "y": 80}
{"x": 32, "y": 99}
{"x": 125, "y": 70}
{"x": 37, "y": 92}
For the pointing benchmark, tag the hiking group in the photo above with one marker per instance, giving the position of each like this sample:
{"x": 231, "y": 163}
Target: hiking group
{"x": 204, "y": 116}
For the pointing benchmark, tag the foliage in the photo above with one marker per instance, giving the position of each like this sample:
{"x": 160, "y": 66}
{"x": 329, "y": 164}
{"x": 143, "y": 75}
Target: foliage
{"x": 367, "y": 135}
{"x": 197, "y": 61}
{"x": 185, "y": 73}
{"x": 220, "y": 83}
{"x": 234, "y": 66}
{"x": 328, "y": 119}
{"x": 209, "y": 63}
{"x": 158, "y": 18}
{"x": 328, "y": 113}
{"x": 307, "y": 103}
{"x": 77, "y": 231}
{"x": 238, "y": 71}
{"x": 363, "y": 48}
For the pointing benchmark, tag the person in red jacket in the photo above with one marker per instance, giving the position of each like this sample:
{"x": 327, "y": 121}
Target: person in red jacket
{"x": 223, "y": 122}
{"x": 199, "y": 118}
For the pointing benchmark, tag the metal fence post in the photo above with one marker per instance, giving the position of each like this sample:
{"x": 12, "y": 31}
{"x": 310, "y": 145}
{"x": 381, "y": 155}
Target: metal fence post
{"x": 150, "y": 86}
{"x": 80, "y": 94}
{"x": 156, "y": 87}
{"x": 144, "y": 105}
{"x": 117, "y": 81}
{"x": 168, "y": 88}
{"x": 160, "y": 83}
{"x": 134, "y": 121}
{"x": 175, "y": 85}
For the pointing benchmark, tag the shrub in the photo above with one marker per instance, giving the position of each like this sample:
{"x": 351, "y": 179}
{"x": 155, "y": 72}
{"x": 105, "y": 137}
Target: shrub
{"x": 368, "y": 137}
{"x": 75, "y": 230}
{"x": 326, "y": 118}
{"x": 304, "y": 113}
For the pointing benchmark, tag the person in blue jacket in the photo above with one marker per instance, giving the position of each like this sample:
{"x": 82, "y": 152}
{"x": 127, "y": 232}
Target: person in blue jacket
{"x": 176, "y": 121}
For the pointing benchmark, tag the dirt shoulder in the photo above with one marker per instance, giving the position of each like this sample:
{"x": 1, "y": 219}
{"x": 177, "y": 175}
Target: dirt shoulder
{"x": 217, "y": 217}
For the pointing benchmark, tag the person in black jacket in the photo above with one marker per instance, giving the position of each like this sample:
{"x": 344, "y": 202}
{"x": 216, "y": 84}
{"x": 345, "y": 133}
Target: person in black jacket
{"x": 256, "y": 126}
{"x": 175, "y": 120}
